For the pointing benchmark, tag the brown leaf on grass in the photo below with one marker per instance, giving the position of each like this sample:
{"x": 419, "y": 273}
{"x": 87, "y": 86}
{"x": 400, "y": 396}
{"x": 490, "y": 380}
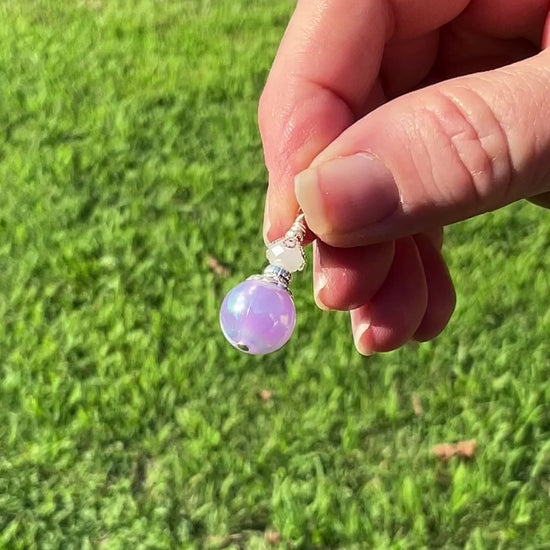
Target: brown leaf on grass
{"x": 463, "y": 449}
{"x": 417, "y": 405}
{"x": 240, "y": 539}
{"x": 92, "y": 4}
{"x": 217, "y": 541}
{"x": 217, "y": 267}
{"x": 272, "y": 537}
{"x": 222, "y": 541}
{"x": 265, "y": 395}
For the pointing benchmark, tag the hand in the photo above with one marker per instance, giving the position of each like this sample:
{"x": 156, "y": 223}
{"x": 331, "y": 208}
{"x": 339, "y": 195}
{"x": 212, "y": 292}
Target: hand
{"x": 388, "y": 119}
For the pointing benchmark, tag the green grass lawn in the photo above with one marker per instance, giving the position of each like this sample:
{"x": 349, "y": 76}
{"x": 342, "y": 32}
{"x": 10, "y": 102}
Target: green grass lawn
{"x": 129, "y": 154}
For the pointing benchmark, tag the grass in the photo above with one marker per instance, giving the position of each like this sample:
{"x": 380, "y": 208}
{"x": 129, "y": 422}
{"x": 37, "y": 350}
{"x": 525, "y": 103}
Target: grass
{"x": 129, "y": 154}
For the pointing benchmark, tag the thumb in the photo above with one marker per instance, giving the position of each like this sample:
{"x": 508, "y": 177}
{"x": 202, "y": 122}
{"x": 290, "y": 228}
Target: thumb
{"x": 434, "y": 157}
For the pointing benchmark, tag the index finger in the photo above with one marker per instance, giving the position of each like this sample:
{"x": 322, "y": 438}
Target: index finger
{"x": 323, "y": 77}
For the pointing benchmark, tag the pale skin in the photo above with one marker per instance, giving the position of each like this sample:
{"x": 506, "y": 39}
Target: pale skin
{"x": 386, "y": 120}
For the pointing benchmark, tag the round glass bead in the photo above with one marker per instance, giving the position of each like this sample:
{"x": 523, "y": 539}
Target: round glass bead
{"x": 258, "y": 317}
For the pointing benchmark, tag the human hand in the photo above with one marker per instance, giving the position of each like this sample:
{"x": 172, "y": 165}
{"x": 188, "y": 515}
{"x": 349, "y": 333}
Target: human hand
{"x": 399, "y": 117}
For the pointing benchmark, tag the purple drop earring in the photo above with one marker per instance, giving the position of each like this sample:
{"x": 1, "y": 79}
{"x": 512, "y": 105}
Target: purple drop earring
{"x": 258, "y": 315}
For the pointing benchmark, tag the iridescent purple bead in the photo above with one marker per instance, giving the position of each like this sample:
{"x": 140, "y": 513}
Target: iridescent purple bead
{"x": 258, "y": 317}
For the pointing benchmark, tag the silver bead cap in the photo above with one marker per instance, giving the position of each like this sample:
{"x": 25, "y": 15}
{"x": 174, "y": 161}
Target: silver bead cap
{"x": 276, "y": 275}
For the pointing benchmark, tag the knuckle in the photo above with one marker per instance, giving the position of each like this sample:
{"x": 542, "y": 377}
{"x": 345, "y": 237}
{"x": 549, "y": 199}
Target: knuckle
{"x": 480, "y": 142}
{"x": 466, "y": 149}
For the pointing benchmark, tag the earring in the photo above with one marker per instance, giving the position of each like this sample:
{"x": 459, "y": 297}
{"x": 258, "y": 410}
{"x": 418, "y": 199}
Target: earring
{"x": 258, "y": 315}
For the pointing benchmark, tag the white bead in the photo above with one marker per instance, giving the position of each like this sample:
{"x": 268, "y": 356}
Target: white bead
{"x": 291, "y": 258}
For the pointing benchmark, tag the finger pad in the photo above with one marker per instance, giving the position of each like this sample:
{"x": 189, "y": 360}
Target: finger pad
{"x": 397, "y": 309}
{"x": 350, "y": 276}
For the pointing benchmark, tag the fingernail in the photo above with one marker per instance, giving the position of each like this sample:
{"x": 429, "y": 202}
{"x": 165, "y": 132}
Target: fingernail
{"x": 320, "y": 279}
{"x": 319, "y": 283}
{"x": 267, "y": 222}
{"x": 346, "y": 194}
{"x": 358, "y": 333}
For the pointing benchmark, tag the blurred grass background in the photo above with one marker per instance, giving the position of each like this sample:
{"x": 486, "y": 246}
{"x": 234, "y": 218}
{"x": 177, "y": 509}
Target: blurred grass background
{"x": 129, "y": 155}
